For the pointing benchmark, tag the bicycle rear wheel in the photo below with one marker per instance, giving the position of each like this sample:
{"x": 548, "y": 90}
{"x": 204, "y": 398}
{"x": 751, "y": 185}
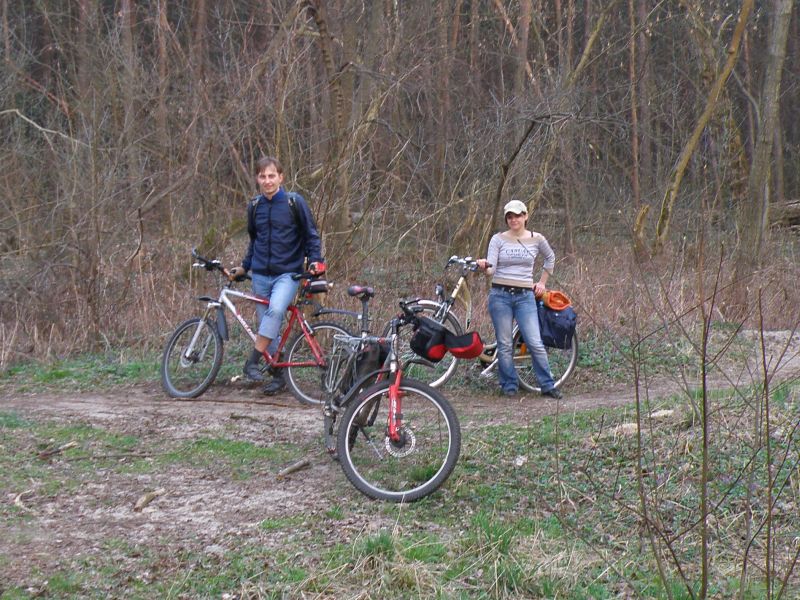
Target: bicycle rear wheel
{"x": 306, "y": 382}
{"x": 191, "y": 359}
{"x": 562, "y": 363}
{"x": 416, "y": 367}
{"x": 404, "y": 471}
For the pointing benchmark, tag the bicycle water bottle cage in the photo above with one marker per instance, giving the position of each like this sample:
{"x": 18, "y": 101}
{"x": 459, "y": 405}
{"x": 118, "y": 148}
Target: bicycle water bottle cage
{"x": 361, "y": 291}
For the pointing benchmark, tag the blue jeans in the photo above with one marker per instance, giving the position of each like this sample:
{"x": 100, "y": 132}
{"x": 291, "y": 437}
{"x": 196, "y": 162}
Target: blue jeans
{"x": 280, "y": 289}
{"x": 504, "y": 308}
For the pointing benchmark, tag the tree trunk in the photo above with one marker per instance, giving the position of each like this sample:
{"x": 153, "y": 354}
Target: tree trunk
{"x": 474, "y": 48}
{"x": 754, "y": 216}
{"x": 633, "y": 84}
{"x": 87, "y": 11}
{"x": 523, "y": 26}
{"x": 644, "y": 93}
{"x": 335, "y": 165}
{"x": 442, "y": 71}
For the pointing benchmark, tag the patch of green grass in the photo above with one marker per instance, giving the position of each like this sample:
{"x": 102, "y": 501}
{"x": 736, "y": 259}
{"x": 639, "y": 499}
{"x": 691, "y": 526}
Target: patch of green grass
{"x": 564, "y": 522}
{"x": 276, "y": 524}
{"x": 380, "y": 545}
{"x": 15, "y": 593}
{"x": 425, "y": 548}
{"x": 51, "y": 458}
{"x": 241, "y": 459}
{"x": 13, "y": 421}
{"x": 335, "y": 512}
{"x": 87, "y": 371}
{"x": 64, "y": 583}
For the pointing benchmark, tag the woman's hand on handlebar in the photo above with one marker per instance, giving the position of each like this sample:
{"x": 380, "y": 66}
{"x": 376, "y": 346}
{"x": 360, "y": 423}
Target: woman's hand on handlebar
{"x": 483, "y": 264}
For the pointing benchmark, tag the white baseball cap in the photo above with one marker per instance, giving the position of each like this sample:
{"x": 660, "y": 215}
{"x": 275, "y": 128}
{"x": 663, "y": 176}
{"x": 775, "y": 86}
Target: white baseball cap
{"x": 516, "y": 207}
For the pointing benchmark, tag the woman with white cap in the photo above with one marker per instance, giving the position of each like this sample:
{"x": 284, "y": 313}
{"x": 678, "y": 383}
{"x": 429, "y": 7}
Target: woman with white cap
{"x": 512, "y": 254}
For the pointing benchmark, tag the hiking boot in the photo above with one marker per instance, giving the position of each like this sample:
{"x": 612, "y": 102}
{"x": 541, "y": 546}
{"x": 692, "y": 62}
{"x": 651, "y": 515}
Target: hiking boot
{"x": 275, "y": 386}
{"x": 272, "y": 369}
{"x": 253, "y": 372}
{"x": 554, "y": 393}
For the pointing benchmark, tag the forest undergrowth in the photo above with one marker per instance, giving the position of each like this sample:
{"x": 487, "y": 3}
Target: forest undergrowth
{"x": 132, "y": 305}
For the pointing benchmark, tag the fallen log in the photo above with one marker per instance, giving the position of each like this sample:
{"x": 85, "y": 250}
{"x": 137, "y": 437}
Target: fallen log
{"x": 785, "y": 214}
{"x": 147, "y": 498}
{"x": 300, "y": 464}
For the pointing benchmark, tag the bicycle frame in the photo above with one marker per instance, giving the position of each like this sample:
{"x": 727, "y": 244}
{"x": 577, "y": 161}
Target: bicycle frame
{"x": 461, "y": 288}
{"x": 295, "y": 316}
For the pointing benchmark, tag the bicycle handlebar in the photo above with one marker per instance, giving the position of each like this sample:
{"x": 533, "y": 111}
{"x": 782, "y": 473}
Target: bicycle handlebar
{"x": 468, "y": 263}
{"x": 216, "y": 264}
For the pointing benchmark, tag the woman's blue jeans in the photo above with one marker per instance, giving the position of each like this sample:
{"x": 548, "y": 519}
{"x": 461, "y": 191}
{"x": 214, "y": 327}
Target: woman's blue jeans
{"x": 506, "y": 307}
{"x": 280, "y": 289}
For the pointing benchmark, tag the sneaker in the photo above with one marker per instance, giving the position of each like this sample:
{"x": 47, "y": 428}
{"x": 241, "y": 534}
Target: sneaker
{"x": 554, "y": 393}
{"x": 275, "y": 386}
{"x": 253, "y": 372}
{"x": 509, "y": 393}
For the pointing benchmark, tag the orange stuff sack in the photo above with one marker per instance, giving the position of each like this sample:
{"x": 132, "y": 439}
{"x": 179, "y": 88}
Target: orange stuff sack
{"x": 556, "y": 300}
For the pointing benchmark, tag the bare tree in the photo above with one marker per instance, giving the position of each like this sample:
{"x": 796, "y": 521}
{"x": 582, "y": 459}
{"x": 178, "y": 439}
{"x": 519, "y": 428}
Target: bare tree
{"x": 667, "y": 204}
{"x": 754, "y": 218}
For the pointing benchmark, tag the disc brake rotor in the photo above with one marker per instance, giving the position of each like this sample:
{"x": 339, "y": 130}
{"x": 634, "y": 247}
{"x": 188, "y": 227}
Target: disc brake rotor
{"x": 409, "y": 443}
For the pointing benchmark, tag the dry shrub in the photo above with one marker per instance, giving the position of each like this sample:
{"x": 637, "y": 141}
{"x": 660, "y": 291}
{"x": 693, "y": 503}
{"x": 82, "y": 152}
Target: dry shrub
{"x": 133, "y": 293}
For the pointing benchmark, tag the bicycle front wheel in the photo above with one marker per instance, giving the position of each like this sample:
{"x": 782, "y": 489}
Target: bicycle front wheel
{"x": 401, "y": 470}
{"x": 192, "y": 358}
{"x": 305, "y": 377}
{"x": 562, "y": 363}
{"x": 416, "y": 367}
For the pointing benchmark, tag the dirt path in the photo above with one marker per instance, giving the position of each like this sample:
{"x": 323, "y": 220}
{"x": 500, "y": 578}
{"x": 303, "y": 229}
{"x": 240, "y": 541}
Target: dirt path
{"x": 204, "y": 508}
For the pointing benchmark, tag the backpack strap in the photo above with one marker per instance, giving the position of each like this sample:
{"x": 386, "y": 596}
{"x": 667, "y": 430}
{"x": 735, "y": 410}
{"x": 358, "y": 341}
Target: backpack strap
{"x": 251, "y": 216}
{"x": 293, "y": 199}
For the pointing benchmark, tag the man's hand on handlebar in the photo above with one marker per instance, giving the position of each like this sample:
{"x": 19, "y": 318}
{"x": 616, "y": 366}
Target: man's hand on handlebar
{"x": 317, "y": 268}
{"x": 237, "y": 274}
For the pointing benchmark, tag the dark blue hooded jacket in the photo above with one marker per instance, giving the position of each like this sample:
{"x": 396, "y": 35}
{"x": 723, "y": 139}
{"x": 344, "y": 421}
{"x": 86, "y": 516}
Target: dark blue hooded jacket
{"x": 279, "y": 242}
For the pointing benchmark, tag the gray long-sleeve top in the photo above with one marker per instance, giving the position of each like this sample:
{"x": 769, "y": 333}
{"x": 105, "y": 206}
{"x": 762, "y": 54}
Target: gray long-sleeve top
{"x": 513, "y": 258}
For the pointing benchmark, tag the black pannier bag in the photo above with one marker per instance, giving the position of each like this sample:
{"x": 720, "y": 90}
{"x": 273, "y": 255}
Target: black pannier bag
{"x": 557, "y": 326}
{"x": 369, "y": 359}
{"x": 468, "y": 345}
{"x": 428, "y": 339}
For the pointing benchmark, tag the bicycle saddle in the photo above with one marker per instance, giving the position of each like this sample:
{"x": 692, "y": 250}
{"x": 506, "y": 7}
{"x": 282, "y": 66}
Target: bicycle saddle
{"x": 361, "y": 291}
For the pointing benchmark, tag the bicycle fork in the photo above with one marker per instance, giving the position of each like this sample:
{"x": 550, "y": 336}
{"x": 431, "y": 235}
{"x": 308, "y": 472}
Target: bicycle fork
{"x": 399, "y": 440}
{"x": 487, "y": 372}
{"x": 189, "y": 356}
{"x": 395, "y": 419}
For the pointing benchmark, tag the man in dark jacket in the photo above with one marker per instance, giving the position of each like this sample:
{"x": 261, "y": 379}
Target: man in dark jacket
{"x": 282, "y": 236}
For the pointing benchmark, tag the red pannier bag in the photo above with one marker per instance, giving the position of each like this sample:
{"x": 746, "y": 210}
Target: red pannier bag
{"x": 468, "y": 345}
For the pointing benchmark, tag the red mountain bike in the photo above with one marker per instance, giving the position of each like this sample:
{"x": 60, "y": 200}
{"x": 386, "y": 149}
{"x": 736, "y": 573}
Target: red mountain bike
{"x": 193, "y": 354}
